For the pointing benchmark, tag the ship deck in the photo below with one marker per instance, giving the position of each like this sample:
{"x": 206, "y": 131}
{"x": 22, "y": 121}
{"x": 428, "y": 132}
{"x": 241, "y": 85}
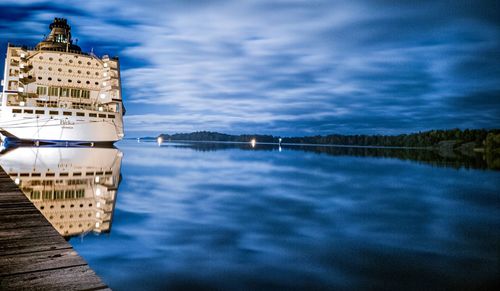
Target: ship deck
{"x": 33, "y": 255}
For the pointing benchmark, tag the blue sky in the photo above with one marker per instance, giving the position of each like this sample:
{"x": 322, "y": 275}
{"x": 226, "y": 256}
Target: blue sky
{"x": 287, "y": 67}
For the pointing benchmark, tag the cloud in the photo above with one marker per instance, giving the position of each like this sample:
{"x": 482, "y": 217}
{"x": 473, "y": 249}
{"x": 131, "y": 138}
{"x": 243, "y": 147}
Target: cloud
{"x": 290, "y": 67}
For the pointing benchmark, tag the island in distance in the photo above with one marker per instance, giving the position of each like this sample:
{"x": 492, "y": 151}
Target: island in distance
{"x": 479, "y": 145}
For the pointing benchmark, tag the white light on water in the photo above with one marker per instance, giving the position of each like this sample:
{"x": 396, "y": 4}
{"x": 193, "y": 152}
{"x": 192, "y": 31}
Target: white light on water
{"x": 253, "y": 142}
{"x": 159, "y": 140}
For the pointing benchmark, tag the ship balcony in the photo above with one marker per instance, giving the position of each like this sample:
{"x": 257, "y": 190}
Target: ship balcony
{"x": 108, "y": 75}
{"x": 13, "y": 73}
{"x": 26, "y": 79}
{"x": 110, "y": 87}
{"x": 25, "y": 68}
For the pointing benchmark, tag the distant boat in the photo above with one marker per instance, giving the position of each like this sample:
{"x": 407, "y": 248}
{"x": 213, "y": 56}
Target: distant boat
{"x": 57, "y": 93}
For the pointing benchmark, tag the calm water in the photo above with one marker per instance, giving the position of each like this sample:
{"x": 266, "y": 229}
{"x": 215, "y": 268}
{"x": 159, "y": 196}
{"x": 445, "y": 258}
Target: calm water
{"x": 236, "y": 218}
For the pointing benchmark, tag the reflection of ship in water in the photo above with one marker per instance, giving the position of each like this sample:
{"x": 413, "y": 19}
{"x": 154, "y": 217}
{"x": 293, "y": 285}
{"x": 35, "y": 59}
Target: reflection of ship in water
{"x": 74, "y": 188}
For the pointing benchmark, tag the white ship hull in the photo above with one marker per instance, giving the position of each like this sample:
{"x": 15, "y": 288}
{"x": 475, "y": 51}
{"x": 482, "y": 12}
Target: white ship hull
{"x": 45, "y": 128}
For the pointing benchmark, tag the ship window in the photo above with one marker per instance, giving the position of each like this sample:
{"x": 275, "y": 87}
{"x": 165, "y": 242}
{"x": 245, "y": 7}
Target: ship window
{"x": 59, "y": 70}
{"x": 75, "y": 93}
{"x": 67, "y": 114}
{"x": 111, "y": 116}
{"x": 58, "y": 194}
{"x": 28, "y": 111}
{"x": 50, "y": 78}
{"x": 53, "y": 112}
{"x": 60, "y": 60}
{"x": 35, "y": 195}
{"x": 50, "y": 59}
{"x": 88, "y": 82}
{"x": 97, "y": 73}
{"x": 47, "y": 194}
{"x": 53, "y": 91}
{"x": 69, "y": 81}
{"x": 39, "y": 78}
{"x": 88, "y": 73}
{"x": 97, "y": 83}
{"x": 92, "y": 115}
{"x": 79, "y": 114}
{"x": 71, "y": 61}
{"x": 16, "y": 111}
{"x": 79, "y": 72}
{"x": 50, "y": 68}
{"x": 85, "y": 94}
{"x": 64, "y": 92}
{"x": 102, "y": 115}
{"x": 58, "y": 80}
{"x": 78, "y": 81}
{"x": 70, "y": 71}
{"x": 40, "y": 90}
{"x": 70, "y": 194}
{"x": 50, "y": 174}
{"x": 40, "y": 68}
{"x": 39, "y": 111}
{"x": 40, "y": 58}
{"x": 80, "y": 193}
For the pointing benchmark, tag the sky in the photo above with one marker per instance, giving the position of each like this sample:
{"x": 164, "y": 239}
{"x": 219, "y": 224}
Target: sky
{"x": 287, "y": 67}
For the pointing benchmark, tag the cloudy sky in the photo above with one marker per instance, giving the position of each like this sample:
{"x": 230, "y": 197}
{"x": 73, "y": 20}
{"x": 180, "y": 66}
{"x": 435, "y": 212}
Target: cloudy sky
{"x": 287, "y": 67}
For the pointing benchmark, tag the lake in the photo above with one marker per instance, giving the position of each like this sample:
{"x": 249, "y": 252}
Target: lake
{"x": 233, "y": 217}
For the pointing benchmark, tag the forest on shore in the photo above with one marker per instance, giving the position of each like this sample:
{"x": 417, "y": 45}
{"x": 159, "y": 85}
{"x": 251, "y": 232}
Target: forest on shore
{"x": 451, "y": 139}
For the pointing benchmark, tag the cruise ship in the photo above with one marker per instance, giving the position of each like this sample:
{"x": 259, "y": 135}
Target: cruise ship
{"x": 75, "y": 188}
{"x": 55, "y": 93}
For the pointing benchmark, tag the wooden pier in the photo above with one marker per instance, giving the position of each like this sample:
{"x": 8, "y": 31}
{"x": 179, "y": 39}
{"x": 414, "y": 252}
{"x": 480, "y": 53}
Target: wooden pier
{"x": 33, "y": 255}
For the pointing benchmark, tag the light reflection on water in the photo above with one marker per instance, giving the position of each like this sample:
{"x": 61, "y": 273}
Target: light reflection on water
{"x": 242, "y": 218}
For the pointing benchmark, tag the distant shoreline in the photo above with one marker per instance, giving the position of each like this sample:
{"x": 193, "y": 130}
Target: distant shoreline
{"x": 451, "y": 140}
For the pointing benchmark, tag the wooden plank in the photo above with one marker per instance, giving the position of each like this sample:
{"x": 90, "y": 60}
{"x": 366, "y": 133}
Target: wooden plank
{"x": 33, "y": 244}
{"x": 26, "y": 233}
{"x": 73, "y": 278}
{"x": 22, "y": 220}
{"x": 39, "y": 261}
{"x": 18, "y": 210}
{"x": 33, "y": 255}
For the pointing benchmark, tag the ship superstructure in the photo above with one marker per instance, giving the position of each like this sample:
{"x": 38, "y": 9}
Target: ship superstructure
{"x": 57, "y": 93}
{"x": 74, "y": 188}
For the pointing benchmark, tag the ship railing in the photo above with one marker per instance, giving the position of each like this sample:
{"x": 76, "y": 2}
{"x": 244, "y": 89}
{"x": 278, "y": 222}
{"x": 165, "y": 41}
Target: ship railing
{"x": 96, "y": 109}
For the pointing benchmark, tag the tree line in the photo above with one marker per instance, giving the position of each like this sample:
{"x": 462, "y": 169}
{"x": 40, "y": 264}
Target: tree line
{"x": 477, "y": 138}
